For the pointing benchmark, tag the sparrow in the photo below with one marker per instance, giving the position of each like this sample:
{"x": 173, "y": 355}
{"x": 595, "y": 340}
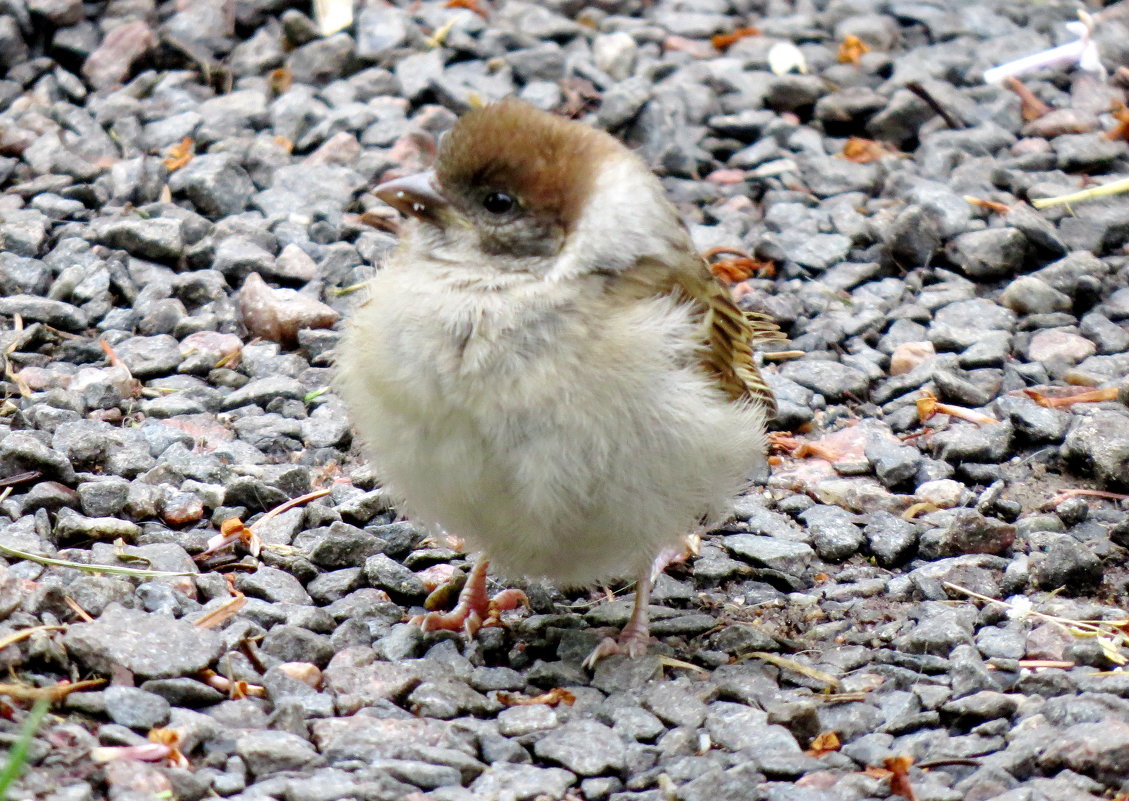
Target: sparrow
{"x": 545, "y": 367}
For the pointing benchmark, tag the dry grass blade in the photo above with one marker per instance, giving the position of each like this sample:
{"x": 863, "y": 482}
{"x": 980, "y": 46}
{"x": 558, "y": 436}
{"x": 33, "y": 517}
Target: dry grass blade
{"x": 112, "y": 570}
{"x": 221, "y": 614}
{"x": 791, "y": 664}
{"x": 1104, "y": 190}
{"x": 23, "y": 634}
{"x": 1112, "y": 635}
{"x": 20, "y": 478}
{"x": 83, "y": 615}
{"x": 1036, "y": 664}
{"x": 54, "y": 693}
{"x": 1080, "y": 492}
{"x": 671, "y": 662}
{"x": 841, "y": 698}
{"x": 290, "y": 504}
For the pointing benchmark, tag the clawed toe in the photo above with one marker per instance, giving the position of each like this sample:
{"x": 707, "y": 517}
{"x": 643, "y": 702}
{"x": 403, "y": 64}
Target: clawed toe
{"x": 474, "y": 610}
{"x": 630, "y": 643}
{"x": 458, "y": 619}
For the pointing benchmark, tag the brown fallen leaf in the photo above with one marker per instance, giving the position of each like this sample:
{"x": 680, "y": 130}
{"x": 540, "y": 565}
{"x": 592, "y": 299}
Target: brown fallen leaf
{"x": 1121, "y": 114}
{"x": 739, "y": 267}
{"x": 469, "y": 5}
{"x": 899, "y": 776}
{"x": 280, "y": 80}
{"x": 180, "y": 154}
{"x": 988, "y": 205}
{"x": 558, "y": 695}
{"x": 824, "y": 743}
{"x": 799, "y": 449}
{"x": 171, "y": 739}
{"x": 723, "y": 41}
{"x": 232, "y": 530}
{"x": 852, "y": 49}
{"x": 866, "y": 151}
{"x": 1030, "y": 107}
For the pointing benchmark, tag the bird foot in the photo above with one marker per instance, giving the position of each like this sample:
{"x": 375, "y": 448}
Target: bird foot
{"x": 632, "y": 642}
{"x": 473, "y": 612}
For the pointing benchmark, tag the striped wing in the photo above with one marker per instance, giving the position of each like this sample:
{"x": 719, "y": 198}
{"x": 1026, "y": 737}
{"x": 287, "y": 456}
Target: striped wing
{"x": 729, "y": 334}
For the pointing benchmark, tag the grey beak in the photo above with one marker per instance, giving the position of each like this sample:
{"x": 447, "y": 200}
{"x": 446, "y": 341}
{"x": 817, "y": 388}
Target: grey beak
{"x": 415, "y": 195}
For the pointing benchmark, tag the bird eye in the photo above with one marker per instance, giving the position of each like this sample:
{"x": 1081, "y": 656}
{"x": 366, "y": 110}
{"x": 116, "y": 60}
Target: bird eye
{"x": 498, "y": 203}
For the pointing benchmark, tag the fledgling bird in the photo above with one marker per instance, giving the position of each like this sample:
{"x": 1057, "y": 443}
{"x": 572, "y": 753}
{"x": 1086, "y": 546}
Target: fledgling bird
{"x": 545, "y": 366}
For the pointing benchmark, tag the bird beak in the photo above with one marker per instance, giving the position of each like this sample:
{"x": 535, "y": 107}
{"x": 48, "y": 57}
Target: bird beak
{"x": 416, "y": 195}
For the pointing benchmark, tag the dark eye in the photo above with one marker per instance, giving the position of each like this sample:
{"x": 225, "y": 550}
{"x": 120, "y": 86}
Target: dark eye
{"x": 498, "y": 203}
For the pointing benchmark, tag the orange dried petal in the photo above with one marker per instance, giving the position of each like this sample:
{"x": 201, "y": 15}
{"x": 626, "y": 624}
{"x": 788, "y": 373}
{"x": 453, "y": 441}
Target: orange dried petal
{"x": 723, "y": 41}
{"x": 852, "y": 49}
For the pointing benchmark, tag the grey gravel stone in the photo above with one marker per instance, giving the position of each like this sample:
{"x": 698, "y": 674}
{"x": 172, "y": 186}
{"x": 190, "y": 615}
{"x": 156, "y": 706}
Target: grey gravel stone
{"x": 272, "y": 584}
{"x": 782, "y": 555}
{"x": 735, "y": 727}
{"x": 387, "y": 574}
{"x": 522, "y": 781}
{"x": 158, "y": 238}
{"x": 21, "y": 452}
{"x": 52, "y": 312}
{"x": 831, "y": 379}
{"x": 1099, "y": 444}
{"x": 136, "y": 708}
{"x": 1030, "y": 295}
{"x": 988, "y": 254}
{"x": 1068, "y": 565}
{"x": 585, "y": 747}
{"x": 890, "y": 538}
{"x": 149, "y": 357}
{"x": 216, "y": 184}
{"x": 262, "y": 391}
{"x": 267, "y": 752}
{"x": 155, "y": 648}
{"x": 834, "y": 534}
{"x": 71, "y": 526}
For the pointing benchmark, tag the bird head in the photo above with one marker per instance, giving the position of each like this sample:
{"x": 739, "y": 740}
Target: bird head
{"x": 531, "y": 191}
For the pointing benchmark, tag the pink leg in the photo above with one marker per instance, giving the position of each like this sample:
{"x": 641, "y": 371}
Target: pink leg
{"x": 475, "y": 609}
{"x": 633, "y": 639}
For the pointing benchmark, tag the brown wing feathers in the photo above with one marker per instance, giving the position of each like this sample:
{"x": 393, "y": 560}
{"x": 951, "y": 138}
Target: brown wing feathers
{"x": 729, "y": 334}
{"x": 732, "y": 335}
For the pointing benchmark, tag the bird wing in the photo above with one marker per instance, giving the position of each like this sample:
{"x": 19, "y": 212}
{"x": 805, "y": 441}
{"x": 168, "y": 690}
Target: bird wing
{"x": 729, "y": 334}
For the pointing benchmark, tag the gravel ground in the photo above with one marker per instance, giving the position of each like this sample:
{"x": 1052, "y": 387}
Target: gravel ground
{"x": 187, "y": 198}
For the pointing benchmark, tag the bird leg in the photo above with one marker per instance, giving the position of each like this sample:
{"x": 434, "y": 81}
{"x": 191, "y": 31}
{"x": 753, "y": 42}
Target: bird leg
{"x": 633, "y": 639}
{"x": 475, "y": 608}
